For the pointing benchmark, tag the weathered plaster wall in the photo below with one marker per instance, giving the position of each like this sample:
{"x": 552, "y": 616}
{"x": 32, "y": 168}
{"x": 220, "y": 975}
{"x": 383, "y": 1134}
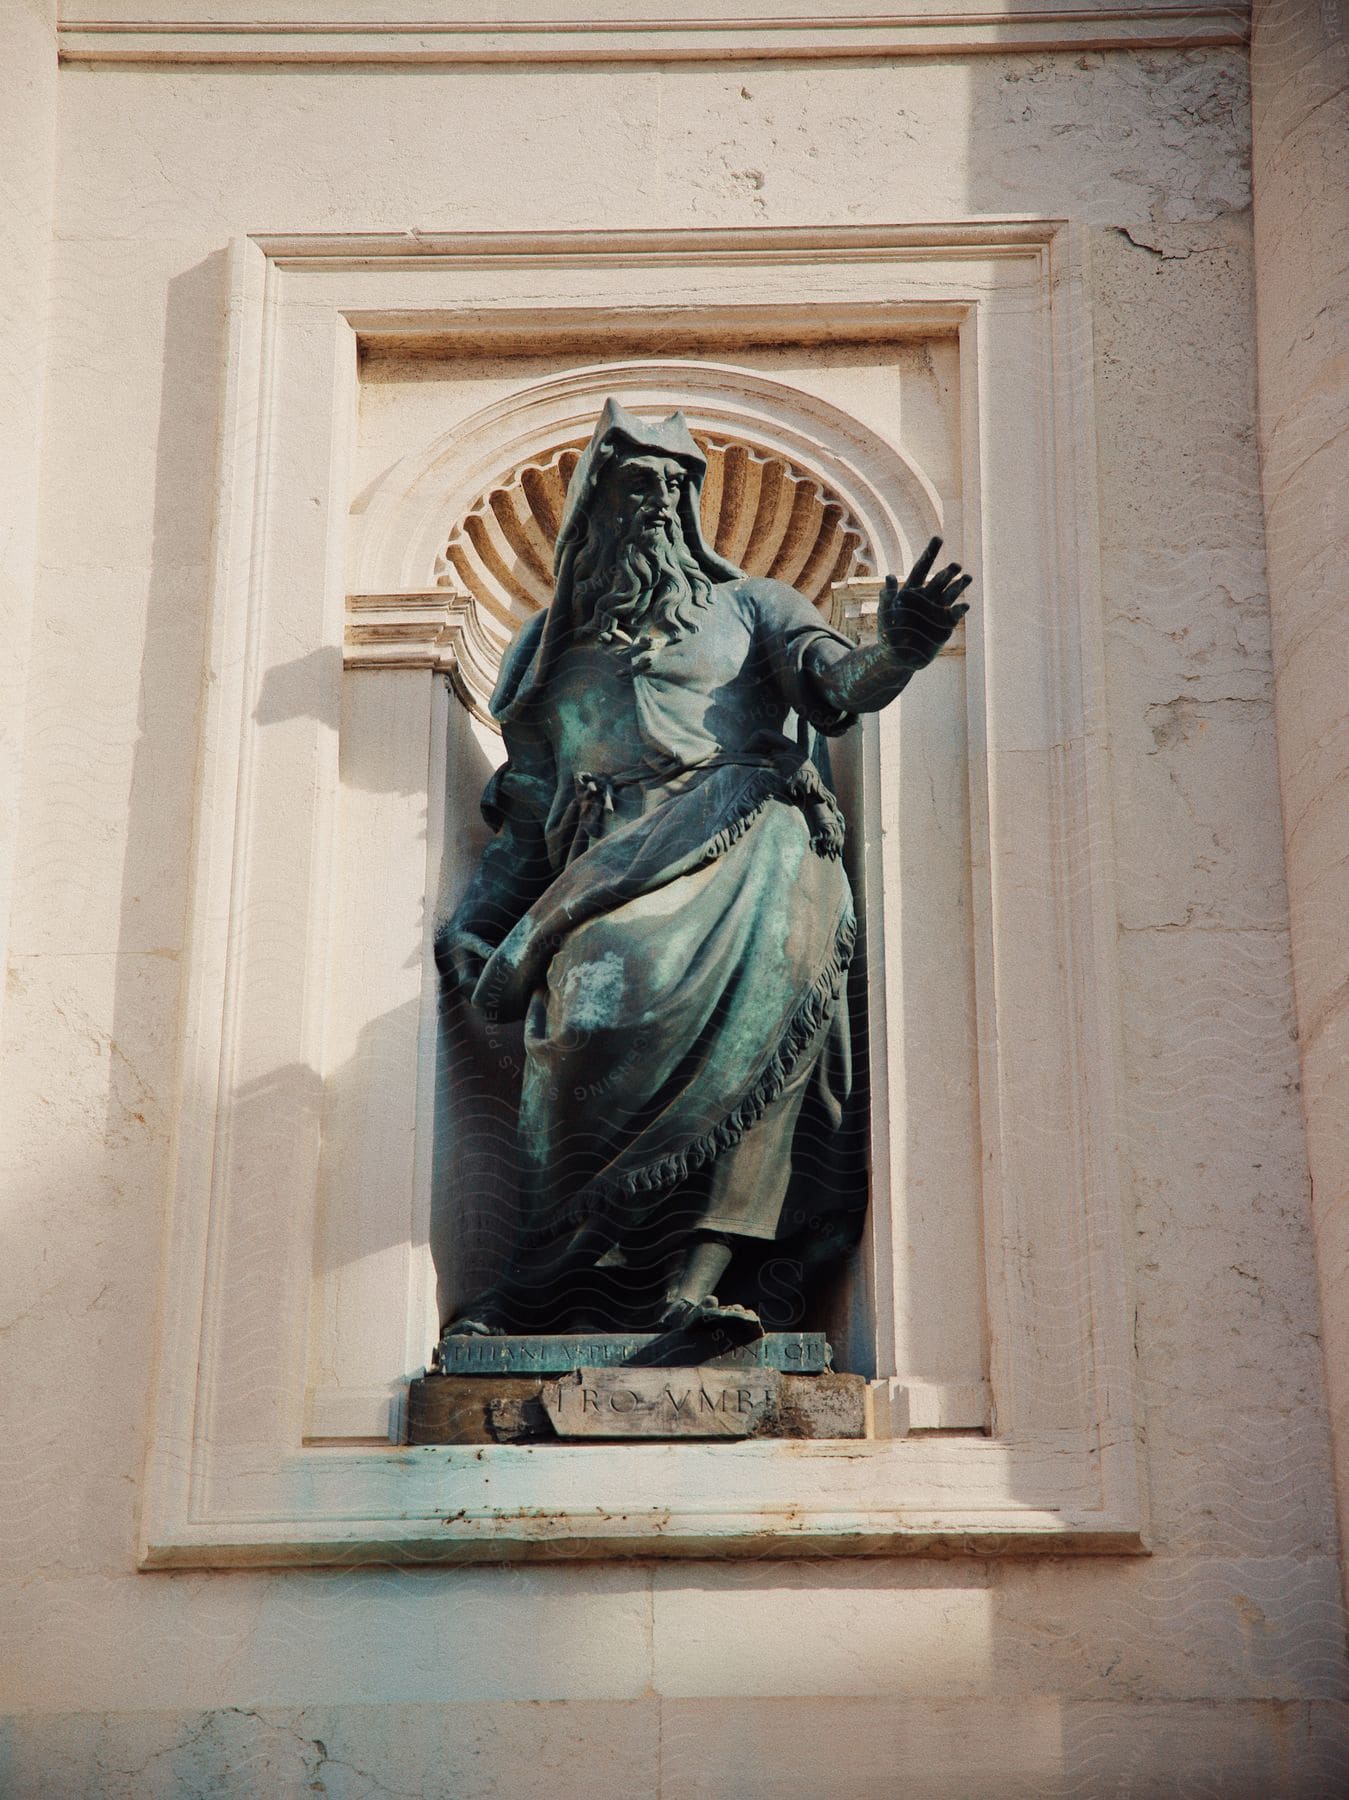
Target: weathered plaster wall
{"x": 28, "y": 157}
{"x": 1215, "y": 1666}
{"x": 1300, "y": 85}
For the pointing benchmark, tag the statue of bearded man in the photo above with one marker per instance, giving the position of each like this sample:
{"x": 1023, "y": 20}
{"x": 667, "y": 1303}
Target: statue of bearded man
{"x": 665, "y": 905}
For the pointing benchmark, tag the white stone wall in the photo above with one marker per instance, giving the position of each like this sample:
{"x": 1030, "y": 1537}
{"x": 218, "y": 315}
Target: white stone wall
{"x": 28, "y": 154}
{"x": 1300, "y": 89}
{"x": 1214, "y": 1666}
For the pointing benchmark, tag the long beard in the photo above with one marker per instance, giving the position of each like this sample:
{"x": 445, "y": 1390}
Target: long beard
{"x": 634, "y": 587}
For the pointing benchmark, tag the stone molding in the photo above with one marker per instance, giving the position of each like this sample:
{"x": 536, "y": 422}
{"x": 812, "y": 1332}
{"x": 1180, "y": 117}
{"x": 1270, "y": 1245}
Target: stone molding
{"x": 866, "y": 317}
{"x": 429, "y": 630}
{"x": 746, "y": 33}
{"x": 235, "y": 1476}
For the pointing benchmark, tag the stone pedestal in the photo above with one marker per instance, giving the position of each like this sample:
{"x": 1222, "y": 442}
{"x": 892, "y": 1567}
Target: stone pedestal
{"x": 514, "y": 1409}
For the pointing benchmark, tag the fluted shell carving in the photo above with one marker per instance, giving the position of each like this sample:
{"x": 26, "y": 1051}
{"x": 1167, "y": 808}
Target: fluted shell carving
{"x": 760, "y": 510}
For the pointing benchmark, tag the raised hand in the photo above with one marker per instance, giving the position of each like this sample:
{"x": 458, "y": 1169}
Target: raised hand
{"x": 915, "y": 620}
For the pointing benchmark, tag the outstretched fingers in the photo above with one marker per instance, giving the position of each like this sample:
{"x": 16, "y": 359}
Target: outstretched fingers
{"x": 951, "y": 597}
{"x": 919, "y": 572}
{"x": 931, "y": 602}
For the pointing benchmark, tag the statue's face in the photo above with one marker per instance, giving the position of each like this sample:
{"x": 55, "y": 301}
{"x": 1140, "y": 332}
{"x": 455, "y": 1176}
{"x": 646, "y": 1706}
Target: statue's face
{"x": 636, "y": 580}
{"x": 640, "y": 496}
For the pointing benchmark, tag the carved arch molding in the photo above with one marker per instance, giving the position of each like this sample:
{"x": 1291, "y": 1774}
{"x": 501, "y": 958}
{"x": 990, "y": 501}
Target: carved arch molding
{"x": 452, "y": 553}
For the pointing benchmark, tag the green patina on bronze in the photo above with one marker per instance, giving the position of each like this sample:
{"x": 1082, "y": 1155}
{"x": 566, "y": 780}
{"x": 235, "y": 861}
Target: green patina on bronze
{"x": 664, "y": 904}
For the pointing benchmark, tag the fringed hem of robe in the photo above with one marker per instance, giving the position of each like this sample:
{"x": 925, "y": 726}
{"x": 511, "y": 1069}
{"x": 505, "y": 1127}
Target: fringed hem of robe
{"x": 816, "y": 1011}
{"x": 762, "y": 946}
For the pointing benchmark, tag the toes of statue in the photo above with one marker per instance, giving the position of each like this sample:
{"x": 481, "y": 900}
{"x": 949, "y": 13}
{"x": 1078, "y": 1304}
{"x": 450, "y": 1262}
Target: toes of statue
{"x": 473, "y": 1328}
{"x": 737, "y": 1323}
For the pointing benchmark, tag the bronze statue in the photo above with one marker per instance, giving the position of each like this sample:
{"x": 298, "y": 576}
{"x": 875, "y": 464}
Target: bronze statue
{"x": 664, "y": 903}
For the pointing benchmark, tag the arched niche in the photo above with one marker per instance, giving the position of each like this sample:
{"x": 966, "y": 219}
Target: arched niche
{"x": 452, "y": 549}
{"x": 451, "y": 553}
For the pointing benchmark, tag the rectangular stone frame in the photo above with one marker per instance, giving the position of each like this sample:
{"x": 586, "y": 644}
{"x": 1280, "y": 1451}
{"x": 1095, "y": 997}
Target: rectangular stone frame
{"x": 231, "y": 1479}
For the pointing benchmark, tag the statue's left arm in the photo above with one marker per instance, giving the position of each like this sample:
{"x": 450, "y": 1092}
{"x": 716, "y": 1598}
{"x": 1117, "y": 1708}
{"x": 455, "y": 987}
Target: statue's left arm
{"x": 914, "y": 621}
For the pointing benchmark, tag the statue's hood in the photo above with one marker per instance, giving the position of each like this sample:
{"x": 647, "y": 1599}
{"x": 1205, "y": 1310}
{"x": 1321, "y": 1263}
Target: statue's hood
{"x": 618, "y": 432}
{"x": 621, "y": 432}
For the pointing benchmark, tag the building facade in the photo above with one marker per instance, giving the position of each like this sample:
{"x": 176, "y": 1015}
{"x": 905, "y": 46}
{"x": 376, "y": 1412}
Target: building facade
{"x": 302, "y": 314}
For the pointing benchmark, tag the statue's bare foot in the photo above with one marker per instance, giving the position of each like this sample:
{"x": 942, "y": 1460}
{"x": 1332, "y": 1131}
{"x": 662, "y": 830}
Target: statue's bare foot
{"x": 738, "y": 1323}
{"x": 473, "y": 1328}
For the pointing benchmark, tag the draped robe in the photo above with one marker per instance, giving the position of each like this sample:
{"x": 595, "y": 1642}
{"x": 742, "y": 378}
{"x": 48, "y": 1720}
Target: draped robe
{"x": 670, "y": 917}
